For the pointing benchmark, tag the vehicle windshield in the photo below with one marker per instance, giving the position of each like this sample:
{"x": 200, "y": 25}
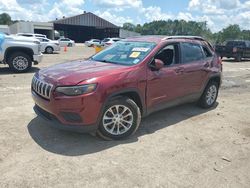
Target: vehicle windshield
{"x": 235, "y": 43}
{"x": 125, "y": 53}
{"x": 105, "y": 40}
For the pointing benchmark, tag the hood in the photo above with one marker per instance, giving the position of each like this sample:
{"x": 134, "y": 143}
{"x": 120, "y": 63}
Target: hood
{"x": 75, "y": 72}
{"x": 21, "y": 38}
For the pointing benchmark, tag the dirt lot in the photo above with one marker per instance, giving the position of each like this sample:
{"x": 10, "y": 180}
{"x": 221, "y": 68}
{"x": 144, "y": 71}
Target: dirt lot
{"x": 179, "y": 147}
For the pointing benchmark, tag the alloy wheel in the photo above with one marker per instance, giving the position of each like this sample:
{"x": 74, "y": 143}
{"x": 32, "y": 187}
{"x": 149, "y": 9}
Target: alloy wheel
{"x": 211, "y": 95}
{"x": 118, "y": 119}
{"x": 20, "y": 63}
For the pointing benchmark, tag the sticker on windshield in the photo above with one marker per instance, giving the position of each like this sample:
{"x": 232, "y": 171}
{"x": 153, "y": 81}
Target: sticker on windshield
{"x": 136, "y": 61}
{"x": 140, "y": 49}
{"x": 109, "y": 56}
{"x": 124, "y": 56}
{"x": 135, "y": 54}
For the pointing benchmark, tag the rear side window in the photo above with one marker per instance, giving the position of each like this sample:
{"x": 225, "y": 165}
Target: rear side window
{"x": 207, "y": 52}
{"x": 27, "y": 35}
{"x": 191, "y": 52}
{"x": 236, "y": 43}
{"x": 248, "y": 44}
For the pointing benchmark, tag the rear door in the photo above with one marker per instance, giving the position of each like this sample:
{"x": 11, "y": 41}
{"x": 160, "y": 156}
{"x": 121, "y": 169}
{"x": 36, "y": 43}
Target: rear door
{"x": 195, "y": 67}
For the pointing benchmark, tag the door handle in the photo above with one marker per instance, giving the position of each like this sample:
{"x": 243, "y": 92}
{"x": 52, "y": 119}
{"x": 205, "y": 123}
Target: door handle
{"x": 179, "y": 70}
{"x": 207, "y": 65}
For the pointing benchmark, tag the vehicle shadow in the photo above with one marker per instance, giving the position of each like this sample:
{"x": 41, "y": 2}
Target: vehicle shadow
{"x": 233, "y": 60}
{"x": 6, "y": 70}
{"x": 54, "y": 53}
{"x": 76, "y": 144}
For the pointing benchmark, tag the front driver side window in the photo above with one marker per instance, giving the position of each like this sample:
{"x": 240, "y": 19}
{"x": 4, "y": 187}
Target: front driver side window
{"x": 169, "y": 55}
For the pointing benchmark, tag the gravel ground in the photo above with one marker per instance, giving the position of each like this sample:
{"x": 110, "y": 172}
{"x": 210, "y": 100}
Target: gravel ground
{"x": 180, "y": 147}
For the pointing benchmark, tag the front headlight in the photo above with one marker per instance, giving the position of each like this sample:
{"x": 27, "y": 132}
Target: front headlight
{"x": 76, "y": 90}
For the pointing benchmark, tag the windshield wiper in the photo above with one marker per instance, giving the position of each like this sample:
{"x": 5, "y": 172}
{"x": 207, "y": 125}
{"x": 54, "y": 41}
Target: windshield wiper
{"x": 105, "y": 61}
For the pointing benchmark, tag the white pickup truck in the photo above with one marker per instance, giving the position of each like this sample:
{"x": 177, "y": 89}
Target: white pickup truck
{"x": 19, "y": 52}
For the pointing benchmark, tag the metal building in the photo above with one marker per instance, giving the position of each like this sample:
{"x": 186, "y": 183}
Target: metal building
{"x": 86, "y": 26}
{"x": 33, "y": 27}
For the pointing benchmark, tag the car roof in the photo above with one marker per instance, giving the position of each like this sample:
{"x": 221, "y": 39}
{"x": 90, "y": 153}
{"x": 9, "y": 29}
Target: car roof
{"x": 163, "y": 38}
{"x": 42, "y": 38}
{"x": 25, "y": 33}
{"x": 33, "y": 34}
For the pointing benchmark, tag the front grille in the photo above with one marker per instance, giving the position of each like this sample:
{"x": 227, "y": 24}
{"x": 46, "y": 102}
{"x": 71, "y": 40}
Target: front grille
{"x": 42, "y": 88}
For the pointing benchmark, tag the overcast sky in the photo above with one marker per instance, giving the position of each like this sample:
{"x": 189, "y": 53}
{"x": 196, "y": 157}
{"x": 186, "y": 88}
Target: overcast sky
{"x": 217, "y": 13}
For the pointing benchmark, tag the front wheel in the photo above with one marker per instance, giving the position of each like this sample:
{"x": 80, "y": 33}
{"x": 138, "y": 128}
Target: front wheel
{"x": 19, "y": 62}
{"x": 49, "y": 50}
{"x": 120, "y": 119}
{"x": 70, "y": 45}
{"x": 209, "y": 97}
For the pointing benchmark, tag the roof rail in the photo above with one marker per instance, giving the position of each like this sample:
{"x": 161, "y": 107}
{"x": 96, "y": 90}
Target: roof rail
{"x": 184, "y": 37}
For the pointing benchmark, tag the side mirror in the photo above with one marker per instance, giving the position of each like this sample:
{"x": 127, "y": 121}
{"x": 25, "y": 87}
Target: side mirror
{"x": 158, "y": 64}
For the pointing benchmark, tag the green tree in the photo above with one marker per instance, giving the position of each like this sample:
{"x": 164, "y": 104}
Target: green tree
{"x": 138, "y": 28}
{"x": 5, "y": 19}
{"x": 231, "y": 32}
{"x": 129, "y": 26}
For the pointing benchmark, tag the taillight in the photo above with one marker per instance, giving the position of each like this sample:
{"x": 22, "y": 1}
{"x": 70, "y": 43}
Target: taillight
{"x": 219, "y": 61}
{"x": 108, "y": 43}
{"x": 234, "y": 50}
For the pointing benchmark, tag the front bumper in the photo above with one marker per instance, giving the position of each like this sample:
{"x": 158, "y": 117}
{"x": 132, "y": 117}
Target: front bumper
{"x": 53, "y": 122}
{"x": 37, "y": 58}
{"x": 57, "y": 48}
{"x": 79, "y": 114}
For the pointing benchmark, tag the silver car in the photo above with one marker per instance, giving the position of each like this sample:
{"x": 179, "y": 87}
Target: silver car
{"x": 49, "y": 46}
{"x": 66, "y": 42}
{"x": 109, "y": 41}
{"x": 92, "y": 42}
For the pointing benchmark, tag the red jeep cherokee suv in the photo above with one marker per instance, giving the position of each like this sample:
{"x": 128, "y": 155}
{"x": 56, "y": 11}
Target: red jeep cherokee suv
{"x": 111, "y": 91}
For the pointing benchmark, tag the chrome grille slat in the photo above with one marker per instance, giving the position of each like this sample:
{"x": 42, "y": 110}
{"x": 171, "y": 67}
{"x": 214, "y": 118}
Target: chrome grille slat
{"x": 42, "y": 88}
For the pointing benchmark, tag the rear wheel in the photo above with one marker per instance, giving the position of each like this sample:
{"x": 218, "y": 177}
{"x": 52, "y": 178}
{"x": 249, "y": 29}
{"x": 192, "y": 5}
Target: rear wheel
{"x": 19, "y": 62}
{"x": 120, "y": 119}
{"x": 209, "y": 97}
{"x": 49, "y": 50}
{"x": 70, "y": 45}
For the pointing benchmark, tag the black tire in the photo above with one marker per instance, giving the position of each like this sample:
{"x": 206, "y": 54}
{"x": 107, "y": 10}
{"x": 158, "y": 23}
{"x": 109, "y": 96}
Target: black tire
{"x": 238, "y": 58}
{"x": 49, "y": 50}
{"x": 204, "y": 101}
{"x": 25, "y": 60}
{"x": 70, "y": 45}
{"x": 132, "y": 109}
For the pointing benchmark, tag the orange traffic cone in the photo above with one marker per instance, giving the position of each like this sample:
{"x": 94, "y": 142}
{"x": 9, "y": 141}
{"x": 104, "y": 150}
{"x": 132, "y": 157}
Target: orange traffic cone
{"x": 65, "y": 48}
